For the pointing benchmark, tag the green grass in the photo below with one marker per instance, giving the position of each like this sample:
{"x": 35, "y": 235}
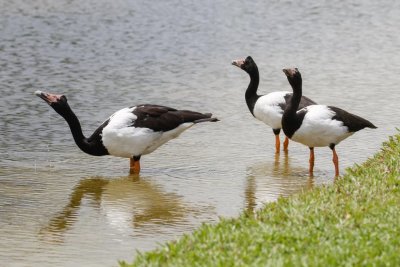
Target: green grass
{"x": 354, "y": 222}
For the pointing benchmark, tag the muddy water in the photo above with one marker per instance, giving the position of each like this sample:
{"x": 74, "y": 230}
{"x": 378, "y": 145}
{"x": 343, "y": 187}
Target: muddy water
{"x": 60, "y": 207}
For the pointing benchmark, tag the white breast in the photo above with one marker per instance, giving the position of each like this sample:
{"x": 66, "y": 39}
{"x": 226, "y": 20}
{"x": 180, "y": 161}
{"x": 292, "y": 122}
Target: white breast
{"x": 267, "y": 109}
{"x": 318, "y": 129}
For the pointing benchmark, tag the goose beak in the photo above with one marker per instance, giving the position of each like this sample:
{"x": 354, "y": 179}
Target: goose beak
{"x": 286, "y": 72}
{"x": 49, "y": 98}
{"x": 38, "y": 93}
{"x": 290, "y": 72}
{"x": 238, "y": 62}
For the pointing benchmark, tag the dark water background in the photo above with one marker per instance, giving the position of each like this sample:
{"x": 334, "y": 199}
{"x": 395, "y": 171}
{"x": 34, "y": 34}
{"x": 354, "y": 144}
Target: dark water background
{"x": 60, "y": 207}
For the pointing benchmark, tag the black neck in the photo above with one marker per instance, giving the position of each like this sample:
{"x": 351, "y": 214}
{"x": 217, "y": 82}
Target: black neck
{"x": 93, "y": 145}
{"x": 291, "y": 119}
{"x": 294, "y": 102}
{"x": 251, "y": 92}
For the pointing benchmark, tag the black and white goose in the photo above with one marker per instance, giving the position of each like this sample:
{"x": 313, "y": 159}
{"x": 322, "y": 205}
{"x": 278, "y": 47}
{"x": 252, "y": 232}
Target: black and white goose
{"x": 267, "y": 108}
{"x": 130, "y": 132}
{"x": 317, "y": 125}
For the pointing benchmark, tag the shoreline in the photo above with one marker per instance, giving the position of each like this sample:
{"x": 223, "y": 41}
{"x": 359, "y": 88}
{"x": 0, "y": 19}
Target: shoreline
{"x": 353, "y": 221}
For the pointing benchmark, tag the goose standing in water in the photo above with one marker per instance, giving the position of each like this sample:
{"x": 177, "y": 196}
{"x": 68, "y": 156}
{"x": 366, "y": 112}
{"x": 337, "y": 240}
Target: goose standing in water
{"x": 317, "y": 125}
{"x": 267, "y": 108}
{"x": 130, "y": 132}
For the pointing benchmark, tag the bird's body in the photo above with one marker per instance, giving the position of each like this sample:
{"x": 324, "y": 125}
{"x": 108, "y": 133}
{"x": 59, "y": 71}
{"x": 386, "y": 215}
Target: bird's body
{"x": 318, "y": 125}
{"x": 267, "y": 108}
{"x": 318, "y": 129}
{"x": 141, "y": 129}
{"x": 130, "y": 132}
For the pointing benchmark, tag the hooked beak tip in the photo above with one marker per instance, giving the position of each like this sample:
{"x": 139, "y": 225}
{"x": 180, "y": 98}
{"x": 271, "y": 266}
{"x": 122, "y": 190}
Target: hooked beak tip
{"x": 38, "y": 93}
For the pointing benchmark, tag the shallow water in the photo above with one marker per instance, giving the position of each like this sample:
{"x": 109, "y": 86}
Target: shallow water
{"x": 61, "y": 207}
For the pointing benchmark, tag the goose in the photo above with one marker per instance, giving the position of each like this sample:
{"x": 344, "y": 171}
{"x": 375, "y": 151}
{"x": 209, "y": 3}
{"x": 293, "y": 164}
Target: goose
{"x": 130, "y": 132}
{"x": 317, "y": 125}
{"x": 267, "y": 108}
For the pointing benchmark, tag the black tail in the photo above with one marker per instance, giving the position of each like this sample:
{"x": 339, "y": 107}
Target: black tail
{"x": 206, "y": 119}
{"x": 196, "y": 117}
{"x": 353, "y": 122}
{"x": 371, "y": 125}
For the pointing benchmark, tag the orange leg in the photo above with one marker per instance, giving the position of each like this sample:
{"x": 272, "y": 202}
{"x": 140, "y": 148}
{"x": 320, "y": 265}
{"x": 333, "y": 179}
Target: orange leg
{"x": 335, "y": 160}
{"x": 135, "y": 165}
{"x": 277, "y": 143}
{"x": 286, "y": 144}
{"x": 311, "y": 169}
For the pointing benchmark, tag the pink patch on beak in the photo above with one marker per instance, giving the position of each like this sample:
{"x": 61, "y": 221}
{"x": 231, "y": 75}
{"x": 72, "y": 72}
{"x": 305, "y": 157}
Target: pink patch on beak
{"x": 238, "y": 62}
{"x": 290, "y": 72}
{"x": 49, "y": 98}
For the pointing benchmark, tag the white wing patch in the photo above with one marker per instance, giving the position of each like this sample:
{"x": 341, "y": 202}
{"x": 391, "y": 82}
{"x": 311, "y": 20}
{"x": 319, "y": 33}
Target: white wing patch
{"x": 318, "y": 129}
{"x": 122, "y": 118}
{"x": 267, "y": 109}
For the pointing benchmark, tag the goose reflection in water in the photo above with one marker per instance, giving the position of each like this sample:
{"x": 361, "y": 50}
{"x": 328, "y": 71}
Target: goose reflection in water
{"x": 125, "y": 204}
{"x": 266, "y": 181}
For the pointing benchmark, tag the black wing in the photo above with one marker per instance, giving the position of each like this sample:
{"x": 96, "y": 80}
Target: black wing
{"x": 161, "y": 118}
{"x": 304, "y": 102}
{"x": 353, "y": 122}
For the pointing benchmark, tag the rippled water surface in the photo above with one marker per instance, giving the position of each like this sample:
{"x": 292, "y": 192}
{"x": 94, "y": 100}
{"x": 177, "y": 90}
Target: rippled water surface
{"x": 61, "y": 207}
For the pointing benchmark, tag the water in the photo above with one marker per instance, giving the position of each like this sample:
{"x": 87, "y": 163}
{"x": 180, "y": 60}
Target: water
{"x": 60, "y": 207}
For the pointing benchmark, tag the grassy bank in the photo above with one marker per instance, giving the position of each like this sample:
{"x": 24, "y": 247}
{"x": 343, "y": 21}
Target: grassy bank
{"x": 355, "y": 222}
